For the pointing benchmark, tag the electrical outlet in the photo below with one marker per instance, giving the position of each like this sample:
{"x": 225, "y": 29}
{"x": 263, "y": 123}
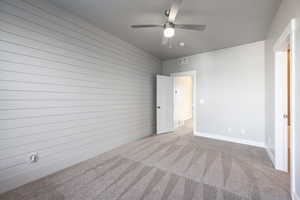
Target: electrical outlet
{"x": 34, "y": 157}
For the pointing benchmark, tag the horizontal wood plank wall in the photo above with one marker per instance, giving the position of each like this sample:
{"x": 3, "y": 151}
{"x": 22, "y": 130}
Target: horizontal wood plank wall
{"x": 68, "y": 91}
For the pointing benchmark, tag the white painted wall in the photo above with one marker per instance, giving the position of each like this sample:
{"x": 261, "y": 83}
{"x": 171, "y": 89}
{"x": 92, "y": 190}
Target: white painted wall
{"x": 231, "y": 82}
{"x": 68, "y": 91}
{"x": 183, "y": 99}
{"x": 288, "y": 10}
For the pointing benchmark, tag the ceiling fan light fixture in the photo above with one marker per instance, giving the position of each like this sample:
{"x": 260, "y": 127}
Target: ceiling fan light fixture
{"x": 169, "y": 32}
{"x": 169, "y": 26}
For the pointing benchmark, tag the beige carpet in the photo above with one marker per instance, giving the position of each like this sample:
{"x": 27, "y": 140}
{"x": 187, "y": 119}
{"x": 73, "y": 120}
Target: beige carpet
{"x": 170, "y": 166}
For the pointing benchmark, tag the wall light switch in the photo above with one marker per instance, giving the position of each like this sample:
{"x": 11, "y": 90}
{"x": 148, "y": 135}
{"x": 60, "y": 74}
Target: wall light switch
{"x": 202, "y": 101}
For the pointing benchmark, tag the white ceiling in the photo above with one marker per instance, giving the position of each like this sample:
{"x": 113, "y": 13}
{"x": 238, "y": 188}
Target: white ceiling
{"x": 229, "y": 22}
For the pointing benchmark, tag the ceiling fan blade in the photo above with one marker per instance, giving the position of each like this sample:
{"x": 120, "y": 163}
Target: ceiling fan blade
{"x": 146, "y": 26}
{"x": 174, "y": 10}
{"x": 190, "y": 27}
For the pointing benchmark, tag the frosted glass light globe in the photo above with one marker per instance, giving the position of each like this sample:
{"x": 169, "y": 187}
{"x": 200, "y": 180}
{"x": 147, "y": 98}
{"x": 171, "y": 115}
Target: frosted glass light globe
{"x": 169, "y": 32}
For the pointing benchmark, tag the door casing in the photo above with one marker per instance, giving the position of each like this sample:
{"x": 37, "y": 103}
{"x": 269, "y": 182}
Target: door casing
{"x": 285, "y": 41}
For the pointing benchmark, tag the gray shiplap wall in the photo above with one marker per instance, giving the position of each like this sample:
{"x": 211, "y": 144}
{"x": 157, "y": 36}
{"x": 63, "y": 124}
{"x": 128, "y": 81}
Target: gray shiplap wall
{"x": 68, "y": 91}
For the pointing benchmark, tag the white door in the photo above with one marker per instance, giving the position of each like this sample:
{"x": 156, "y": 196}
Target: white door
{"x": 164, "y": 104}
{"x": 281, "y": 113}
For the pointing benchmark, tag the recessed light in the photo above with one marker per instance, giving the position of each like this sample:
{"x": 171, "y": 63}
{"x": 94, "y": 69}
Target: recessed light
{"x": 181, "y": 44}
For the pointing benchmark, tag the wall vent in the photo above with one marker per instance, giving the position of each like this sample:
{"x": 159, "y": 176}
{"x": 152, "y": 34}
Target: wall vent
{"x": 183, "y": 61}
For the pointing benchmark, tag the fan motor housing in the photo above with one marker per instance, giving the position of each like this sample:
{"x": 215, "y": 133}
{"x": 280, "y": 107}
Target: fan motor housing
{"x": 169, "y": 25}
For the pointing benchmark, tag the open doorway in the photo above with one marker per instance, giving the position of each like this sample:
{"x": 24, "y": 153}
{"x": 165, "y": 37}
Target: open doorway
{"x": 184, "y": 98}
{"x": 183, "y": 104}
{"x": 175, "y": 103}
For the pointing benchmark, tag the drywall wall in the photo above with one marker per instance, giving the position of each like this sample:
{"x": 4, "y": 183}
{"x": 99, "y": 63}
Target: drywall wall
{"x": 288, "y": 10}
{"x": 68, "y": 91}
{"x": 230, "y": 97}
{"x": 183, "y": 99}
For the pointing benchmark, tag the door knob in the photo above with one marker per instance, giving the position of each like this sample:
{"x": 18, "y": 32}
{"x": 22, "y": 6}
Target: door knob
{"x": 158, "y": 107}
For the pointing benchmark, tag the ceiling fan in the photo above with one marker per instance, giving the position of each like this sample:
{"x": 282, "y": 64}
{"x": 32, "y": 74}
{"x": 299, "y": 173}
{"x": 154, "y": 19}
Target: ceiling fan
{"x": 169, "y": 26}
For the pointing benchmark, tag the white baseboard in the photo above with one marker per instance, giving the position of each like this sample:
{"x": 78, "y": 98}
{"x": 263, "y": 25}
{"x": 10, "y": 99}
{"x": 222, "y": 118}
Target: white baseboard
{"x": 271, "y": 155}
{"x": 295, "y": 197}
{"x": 231, "y": 139}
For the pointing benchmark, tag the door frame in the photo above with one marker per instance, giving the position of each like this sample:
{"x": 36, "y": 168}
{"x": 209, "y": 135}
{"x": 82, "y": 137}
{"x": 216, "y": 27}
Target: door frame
{"x": 281, "y": 140}
{"x": 193, "y": 74}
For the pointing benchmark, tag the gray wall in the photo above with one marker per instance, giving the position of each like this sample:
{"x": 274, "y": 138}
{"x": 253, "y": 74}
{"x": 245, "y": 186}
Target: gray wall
{"x": 288, "y": 10}
{"x": 69, "y": 91}
{"x": 231, "y": 82}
